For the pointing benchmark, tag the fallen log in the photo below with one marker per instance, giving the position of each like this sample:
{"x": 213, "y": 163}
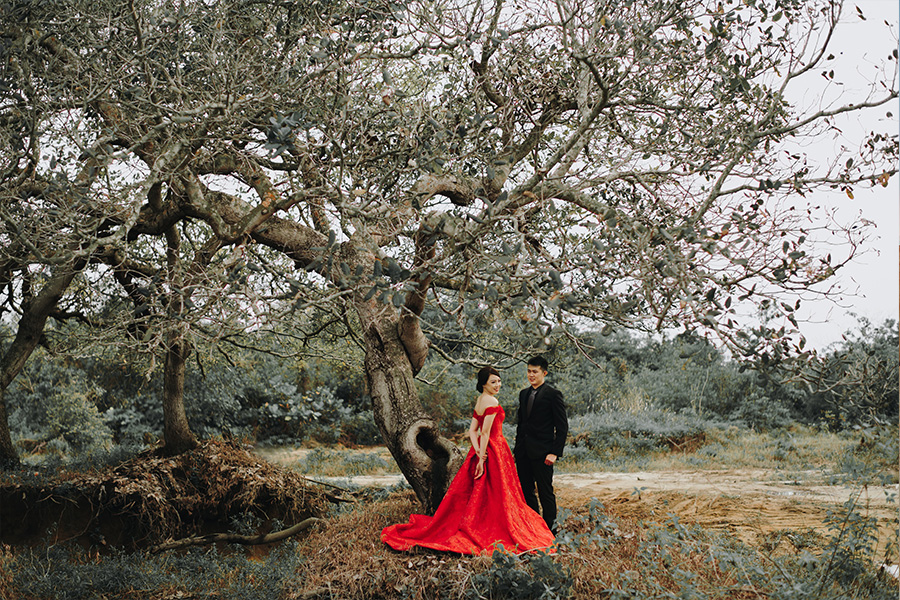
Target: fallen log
{"x": 234, "y": 538}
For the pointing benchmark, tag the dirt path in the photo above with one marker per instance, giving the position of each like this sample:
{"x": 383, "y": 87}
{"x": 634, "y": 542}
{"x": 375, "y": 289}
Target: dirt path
{"x": 746, "y": 503}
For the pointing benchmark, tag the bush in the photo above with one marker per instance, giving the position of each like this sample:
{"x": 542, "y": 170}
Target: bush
{"x": 760, "y": 412}
{"x": 131, "y": 427}
{"x": 526, "y": 577}
{"x": 874, "y": 456}
{"x": 291, "y": 415}
{"x": 638, "y": 433}
{"x": 843, "y": 567}
{"x": 360, "y": 429}
{"x": 857, "y": 382}
{"x": 75, "y": 418}
{"x": 450, "y": 392}
{"x": 54, "y": 407}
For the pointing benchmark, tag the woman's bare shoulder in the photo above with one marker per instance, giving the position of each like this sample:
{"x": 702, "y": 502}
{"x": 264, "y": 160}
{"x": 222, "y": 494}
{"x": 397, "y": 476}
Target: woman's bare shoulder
{"x": 485, "y": 402}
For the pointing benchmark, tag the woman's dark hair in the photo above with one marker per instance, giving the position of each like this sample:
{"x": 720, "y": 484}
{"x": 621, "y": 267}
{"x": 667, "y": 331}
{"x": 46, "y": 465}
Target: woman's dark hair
{"x": 483, "y": 375}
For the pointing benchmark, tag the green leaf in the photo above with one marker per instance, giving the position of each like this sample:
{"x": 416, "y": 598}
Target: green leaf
{"x": 555, "y": 278}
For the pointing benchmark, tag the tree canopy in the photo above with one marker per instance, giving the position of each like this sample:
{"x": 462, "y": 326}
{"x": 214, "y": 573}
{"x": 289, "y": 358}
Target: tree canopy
{"x": 169, "y": 169}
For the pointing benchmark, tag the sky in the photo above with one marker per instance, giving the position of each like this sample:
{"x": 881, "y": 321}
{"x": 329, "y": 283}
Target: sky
{"x": 870, "y": 282}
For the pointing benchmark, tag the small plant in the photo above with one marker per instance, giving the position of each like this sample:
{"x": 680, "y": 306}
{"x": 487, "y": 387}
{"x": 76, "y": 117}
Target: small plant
{"x": 528, "y": 577}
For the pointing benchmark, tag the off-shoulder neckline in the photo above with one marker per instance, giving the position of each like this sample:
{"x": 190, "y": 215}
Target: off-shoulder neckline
{"x": 496, "y": 408}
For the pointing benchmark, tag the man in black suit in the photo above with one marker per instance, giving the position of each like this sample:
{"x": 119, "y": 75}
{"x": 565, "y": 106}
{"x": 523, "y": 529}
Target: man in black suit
{"x": 540, "y": 436}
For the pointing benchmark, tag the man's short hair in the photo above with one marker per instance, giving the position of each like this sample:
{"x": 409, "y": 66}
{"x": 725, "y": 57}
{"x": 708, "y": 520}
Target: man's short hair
{"x": 539, "y": 361}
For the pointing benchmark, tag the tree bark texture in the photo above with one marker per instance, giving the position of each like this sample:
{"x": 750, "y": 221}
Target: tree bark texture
{"x": 176, "y": 431}
{"x": 8, "y": 454}
{"x": 426, "y": 458}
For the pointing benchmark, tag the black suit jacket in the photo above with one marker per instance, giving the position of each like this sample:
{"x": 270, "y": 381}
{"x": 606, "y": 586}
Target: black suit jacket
{"x": 544, "y": 431}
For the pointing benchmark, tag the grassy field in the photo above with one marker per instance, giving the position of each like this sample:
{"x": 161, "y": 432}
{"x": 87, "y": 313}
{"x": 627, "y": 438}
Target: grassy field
{"x": 657, "y": 535}
{"x": 799, "y": 449}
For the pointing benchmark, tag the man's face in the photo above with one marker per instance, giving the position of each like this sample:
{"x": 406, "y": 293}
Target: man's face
{"x": 536, "y": 376}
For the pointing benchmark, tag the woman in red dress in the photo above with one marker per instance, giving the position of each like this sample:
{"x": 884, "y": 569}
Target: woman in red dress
{"x": 484, "y": 507}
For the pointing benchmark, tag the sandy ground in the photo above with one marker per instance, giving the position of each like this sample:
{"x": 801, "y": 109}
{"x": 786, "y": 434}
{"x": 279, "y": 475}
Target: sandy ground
{"x": 748, "y": 503}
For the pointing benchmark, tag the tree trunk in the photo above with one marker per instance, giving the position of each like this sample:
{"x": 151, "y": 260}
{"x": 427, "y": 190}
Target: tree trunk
{"x": 176, "y": 431}
{"x": 427, "y": 460}
{"x": 28, "y": 335}
{"x": 8, "y": 455}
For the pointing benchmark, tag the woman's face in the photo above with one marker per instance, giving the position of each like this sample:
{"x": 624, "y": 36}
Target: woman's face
{"x": 492, "y": 386}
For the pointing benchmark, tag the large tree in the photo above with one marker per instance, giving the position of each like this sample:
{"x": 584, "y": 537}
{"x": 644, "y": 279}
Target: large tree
{"x": 635, "y": 162}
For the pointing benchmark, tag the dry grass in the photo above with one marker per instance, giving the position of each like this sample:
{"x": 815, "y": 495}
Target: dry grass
{"x": 798, "y": 448}
{"x": 600, "y": 550}
{"x": 347, "y": 559}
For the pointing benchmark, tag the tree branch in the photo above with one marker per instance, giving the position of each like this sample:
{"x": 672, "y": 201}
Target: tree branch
{"x": 234, "y": 538}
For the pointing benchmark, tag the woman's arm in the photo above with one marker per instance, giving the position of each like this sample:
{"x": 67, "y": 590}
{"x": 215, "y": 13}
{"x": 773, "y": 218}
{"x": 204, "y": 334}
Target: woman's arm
{"x": 474, "y": 434}
{"x": 485, "y": 436}
{"x": 480, "y": 441}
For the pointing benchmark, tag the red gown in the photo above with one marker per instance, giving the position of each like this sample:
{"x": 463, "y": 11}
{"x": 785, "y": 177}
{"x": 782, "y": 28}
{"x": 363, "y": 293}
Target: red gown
{"x": 478, "y": 514}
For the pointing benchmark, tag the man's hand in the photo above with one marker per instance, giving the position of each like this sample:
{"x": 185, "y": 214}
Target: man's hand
{"x": 550, "y": 459}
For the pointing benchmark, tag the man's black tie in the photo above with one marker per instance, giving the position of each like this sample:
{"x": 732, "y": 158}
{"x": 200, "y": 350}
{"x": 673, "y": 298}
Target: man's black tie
{"x": 530, "y": 402}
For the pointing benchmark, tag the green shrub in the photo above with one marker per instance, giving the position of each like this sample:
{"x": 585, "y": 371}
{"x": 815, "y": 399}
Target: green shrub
{"x": 841, "y": 566}
{"x": 131, "y": 427}
{"x": 638, "y": 433}
{"x": 74, "y": 417}
{"x": 54, "y": 407}
{"x": 761, "y": 412}
{"x": 527, "y": 577}
{"x": 292, "y": 415}
{"x": 874, "y": 456}
{"x": 857, "y": 381}
{"x": 360, "y": 429}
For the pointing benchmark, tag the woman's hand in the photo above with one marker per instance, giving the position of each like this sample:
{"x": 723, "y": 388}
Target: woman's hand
{"x": 479, "y": 468}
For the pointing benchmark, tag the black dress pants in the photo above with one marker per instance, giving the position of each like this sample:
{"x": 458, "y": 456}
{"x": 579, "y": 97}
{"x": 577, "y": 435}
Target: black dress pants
{"x": 534, "y": 473}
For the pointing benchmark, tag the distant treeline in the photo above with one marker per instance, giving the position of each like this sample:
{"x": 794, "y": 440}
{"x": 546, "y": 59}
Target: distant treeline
{"x": 69, "y": 406}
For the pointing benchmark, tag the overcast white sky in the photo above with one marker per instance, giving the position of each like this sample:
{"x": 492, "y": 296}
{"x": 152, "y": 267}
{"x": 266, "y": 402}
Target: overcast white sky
{"x": 870, "y": 283}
